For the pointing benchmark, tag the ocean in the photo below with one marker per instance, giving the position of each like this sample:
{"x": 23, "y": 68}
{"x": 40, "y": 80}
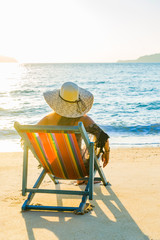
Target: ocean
{"x": 126, "y": 98}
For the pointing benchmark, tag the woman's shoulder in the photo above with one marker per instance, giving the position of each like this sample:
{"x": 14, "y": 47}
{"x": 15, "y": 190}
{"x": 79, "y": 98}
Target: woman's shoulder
{"x": 87, "y": 121}
{"x": 50, "y": 119}
{"x": 43, "y": 121}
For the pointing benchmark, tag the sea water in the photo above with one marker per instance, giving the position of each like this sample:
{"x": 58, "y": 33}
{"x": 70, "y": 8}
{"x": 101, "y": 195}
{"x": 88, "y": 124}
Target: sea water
{"x": 126, "y": 98}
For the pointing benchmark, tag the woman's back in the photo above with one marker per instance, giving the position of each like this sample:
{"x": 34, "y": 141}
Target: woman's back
{"x": 55, "y": 119}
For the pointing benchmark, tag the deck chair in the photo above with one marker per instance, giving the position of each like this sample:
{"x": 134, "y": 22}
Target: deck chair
{"x": 56, "y": 148}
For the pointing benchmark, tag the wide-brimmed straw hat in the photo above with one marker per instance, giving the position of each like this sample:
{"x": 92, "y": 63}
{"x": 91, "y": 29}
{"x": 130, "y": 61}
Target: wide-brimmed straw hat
{"x": 70, "y": 101}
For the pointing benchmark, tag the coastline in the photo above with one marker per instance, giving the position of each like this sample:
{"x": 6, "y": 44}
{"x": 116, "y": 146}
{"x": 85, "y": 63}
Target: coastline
{"x": 128, "y": 209}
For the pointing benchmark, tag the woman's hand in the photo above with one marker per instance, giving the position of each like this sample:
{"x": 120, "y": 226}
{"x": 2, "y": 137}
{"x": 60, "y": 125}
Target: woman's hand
{"x": 105, "y": 155}
{"x": 105, "y": 158}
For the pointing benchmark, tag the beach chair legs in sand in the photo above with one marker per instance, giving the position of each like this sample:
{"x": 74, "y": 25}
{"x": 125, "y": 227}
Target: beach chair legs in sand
{"x": 77, "y": 210}
{"x": 81, "y": 209}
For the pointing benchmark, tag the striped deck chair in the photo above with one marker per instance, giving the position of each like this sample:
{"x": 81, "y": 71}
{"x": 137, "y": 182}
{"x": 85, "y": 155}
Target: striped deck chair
{"x": 56, "y": 148}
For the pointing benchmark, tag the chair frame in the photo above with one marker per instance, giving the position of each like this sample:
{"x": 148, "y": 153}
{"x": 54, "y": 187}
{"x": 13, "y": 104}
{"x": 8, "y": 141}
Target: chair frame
{"x": 94, "y": 167}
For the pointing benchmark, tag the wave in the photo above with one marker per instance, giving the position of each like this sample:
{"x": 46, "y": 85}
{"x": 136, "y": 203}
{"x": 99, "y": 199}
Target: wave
{"x": 155, "y": 105}
{"x": 11, "y": 111}
{"x": 8, "y": 133}
{"x": 21, "y": 92}
{"x": 152, "y": 129}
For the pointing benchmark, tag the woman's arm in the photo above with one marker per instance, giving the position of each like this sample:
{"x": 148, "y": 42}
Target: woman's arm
{"x": 105, "y": 155}
{"x": 102, "y": 138}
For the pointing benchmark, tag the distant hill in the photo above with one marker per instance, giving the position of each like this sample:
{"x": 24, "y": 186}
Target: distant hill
{"x": 4, "y": 59}
{"x": 154, "y": 58}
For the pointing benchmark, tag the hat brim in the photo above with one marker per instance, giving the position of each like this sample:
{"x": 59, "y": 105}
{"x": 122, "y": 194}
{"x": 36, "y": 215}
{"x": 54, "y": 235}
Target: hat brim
{"x": 69, "y": 109}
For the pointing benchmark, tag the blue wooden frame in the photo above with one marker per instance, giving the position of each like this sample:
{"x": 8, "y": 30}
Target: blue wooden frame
{"x": 93, "y": 164}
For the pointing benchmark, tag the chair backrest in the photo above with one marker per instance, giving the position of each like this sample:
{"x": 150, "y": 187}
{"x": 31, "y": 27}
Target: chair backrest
{"x": 56, "y": 148}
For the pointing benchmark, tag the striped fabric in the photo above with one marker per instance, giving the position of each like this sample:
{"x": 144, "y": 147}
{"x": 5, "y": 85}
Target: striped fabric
{"x": 59, "y": 154}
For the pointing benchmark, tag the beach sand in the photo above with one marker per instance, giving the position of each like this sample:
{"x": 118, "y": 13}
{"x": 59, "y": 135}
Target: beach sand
{"x": 127, "y": 209}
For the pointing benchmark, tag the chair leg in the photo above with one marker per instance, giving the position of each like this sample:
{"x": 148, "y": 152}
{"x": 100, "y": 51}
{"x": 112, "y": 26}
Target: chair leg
{"x": 101, "y": 174}
{"x": 25, "y": 169}
{"x": 31, "y": 195}
{"x": 77, "y": 210}
{"x": 91, "y": 171}
{"x": 53, "y": 178}
{"x": 80, "y": 209}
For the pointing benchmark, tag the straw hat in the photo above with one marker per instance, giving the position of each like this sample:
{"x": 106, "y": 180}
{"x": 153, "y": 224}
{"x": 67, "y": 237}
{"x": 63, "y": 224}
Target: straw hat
{"x": 70, "y": 101}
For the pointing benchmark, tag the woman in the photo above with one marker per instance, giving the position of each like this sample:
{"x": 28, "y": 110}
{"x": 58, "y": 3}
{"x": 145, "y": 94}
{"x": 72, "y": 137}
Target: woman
{"x": 70, "y": 105}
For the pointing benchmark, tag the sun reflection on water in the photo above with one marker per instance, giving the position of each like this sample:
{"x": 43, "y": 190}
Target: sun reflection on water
{"x": 9, "y": 75}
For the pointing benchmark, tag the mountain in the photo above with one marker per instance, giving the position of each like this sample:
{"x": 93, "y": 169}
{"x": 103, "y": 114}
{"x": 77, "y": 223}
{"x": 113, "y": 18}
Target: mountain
{"x": 4, "y": 59}
{"x": 154, "y": 58}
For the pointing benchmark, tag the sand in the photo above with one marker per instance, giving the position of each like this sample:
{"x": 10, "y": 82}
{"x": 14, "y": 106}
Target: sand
{"x": 127, "y": 209}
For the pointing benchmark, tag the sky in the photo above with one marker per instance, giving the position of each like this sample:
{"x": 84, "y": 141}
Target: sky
{"x": 79, "y": 30}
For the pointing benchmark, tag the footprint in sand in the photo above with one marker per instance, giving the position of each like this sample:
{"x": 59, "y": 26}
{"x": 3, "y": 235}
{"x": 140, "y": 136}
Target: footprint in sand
{"x": 13, "y": 200}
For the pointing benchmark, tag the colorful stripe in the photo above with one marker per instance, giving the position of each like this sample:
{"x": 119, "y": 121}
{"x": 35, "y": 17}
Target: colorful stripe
{"x": 33, "y": 137}
{"x": 59, "y": 154}
{"x": 71, "y": 155}
{"x": 76, "y": 155}
{"x": 55, "y": 164}
{"x": 51, "y": 154}
{"x": 59, "y": 158}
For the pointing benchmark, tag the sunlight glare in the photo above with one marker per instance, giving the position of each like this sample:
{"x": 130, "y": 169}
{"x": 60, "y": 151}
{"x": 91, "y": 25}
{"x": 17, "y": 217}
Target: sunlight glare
{"x": 9, "y": 73}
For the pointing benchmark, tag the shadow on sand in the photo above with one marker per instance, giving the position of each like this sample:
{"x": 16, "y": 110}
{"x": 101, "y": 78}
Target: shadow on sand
{"x": 109, "y": 220}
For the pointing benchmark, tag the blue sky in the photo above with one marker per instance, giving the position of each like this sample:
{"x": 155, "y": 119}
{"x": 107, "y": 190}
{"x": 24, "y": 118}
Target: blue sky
{"x": 79, "y": 30}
